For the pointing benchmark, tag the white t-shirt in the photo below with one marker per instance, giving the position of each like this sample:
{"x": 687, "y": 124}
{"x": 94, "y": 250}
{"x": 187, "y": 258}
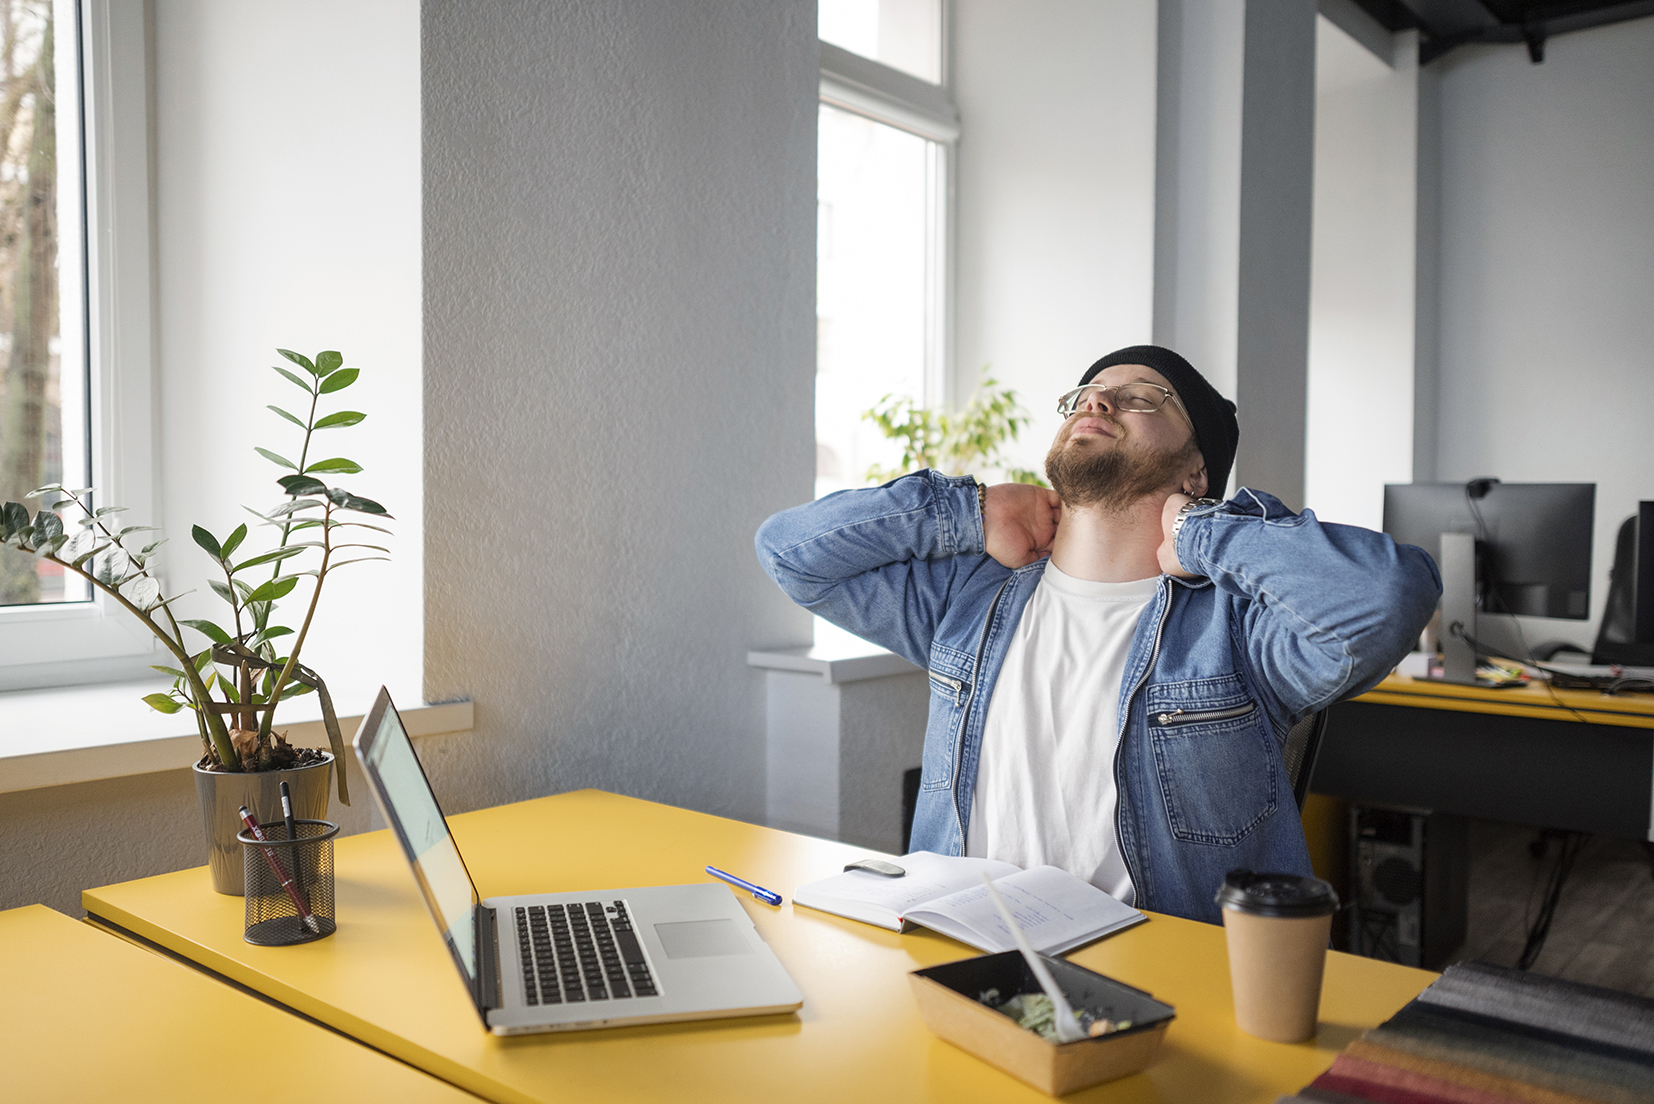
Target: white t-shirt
{"x": 1045, "y": 780}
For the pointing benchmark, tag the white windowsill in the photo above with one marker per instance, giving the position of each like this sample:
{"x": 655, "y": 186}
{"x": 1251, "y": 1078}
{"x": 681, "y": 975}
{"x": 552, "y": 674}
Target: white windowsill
{"x": 73, "y": 734}
{"x": 837, "y": 656}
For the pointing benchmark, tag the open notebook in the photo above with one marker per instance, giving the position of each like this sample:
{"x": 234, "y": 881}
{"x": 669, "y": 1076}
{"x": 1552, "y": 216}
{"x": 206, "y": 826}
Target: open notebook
{"x": 1057, "y": 911}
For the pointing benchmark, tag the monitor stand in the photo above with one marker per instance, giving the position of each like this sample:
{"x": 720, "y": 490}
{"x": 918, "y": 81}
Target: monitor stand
{"x": 1458, "y": 568}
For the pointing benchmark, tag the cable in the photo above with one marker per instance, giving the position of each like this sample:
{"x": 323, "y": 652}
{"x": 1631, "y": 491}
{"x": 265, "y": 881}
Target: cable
{"x": 1572, "y": 844}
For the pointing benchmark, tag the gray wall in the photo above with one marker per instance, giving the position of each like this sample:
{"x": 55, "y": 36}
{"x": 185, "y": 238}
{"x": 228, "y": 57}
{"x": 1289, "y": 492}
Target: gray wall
{"x": 1547, "y": 274}
{"x": 619, "y": 353}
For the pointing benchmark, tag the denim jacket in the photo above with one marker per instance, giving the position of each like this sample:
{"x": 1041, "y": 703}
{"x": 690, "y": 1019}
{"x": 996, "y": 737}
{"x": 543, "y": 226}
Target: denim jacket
{"x": 1290, "y": 616}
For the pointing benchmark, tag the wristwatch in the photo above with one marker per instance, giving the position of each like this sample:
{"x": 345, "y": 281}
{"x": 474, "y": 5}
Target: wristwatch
{"x": 1189, "y": 507}
{"x": 981, "y": 498}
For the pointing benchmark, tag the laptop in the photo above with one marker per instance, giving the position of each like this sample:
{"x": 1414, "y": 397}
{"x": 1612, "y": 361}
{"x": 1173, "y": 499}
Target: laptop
{"x": 570, "y": 961}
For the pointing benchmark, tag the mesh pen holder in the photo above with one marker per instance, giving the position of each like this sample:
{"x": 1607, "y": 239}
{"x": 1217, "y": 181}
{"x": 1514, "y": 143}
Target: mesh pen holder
{"x": 281, "y": 875}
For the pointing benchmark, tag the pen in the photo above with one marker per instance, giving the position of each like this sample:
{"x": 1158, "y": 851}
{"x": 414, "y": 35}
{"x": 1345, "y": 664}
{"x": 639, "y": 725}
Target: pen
{"x": 280, "y": 871}
{"x": 292, "y": 826}
{"x": 769, "y": 897}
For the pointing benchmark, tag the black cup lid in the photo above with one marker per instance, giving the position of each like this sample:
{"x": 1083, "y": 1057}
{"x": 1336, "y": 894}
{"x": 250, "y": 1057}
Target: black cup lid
{"x": 1262, "y": 894}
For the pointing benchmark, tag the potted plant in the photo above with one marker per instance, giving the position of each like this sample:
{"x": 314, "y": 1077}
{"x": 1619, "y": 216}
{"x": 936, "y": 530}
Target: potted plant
{"x": 247, "y": 659}
{"x": 955, "y": 444}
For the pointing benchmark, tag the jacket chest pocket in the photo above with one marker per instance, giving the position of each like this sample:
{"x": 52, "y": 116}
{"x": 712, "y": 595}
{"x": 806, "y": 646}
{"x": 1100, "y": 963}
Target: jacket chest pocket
{"x": 950, "y": 695}
{"x": 1215, "y": 760}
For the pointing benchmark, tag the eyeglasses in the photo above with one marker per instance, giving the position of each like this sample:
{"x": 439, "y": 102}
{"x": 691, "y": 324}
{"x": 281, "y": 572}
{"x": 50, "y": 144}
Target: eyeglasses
{"x": 1132, "y": 398}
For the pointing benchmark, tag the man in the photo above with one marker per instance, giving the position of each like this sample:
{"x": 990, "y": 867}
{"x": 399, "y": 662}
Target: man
{"x": 1114, "y": 663}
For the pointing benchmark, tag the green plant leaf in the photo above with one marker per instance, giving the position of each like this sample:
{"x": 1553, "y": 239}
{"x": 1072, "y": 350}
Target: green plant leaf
{"x": 105, "y": 511}
{"x": 277, "y": 554}
{"x": 222, "y": 591}
{"x": 328, "y": 361}
{"x": 337, "y": 464}
{"x": 274, "y": 590}
{"x": 358, "y": 559}
{"x": 149, "y": 549}
{"x": 47, "y": 489}
{"x": 202, "y": 661}
{"x": 137, "y": 529}
{"x": 144, "y": 592}
{"x": 162, "y": 703}
{"x": 294, "y": 689}
{"x": 13, "y": 516}
{"x": 208, "y": 629}
{"x": 173, "y": 671}
{"x": 373, "y": 547}
{"x": 290, "y": 417}
{"x": 300, "y": 359}
{"x": 308, "y": 387}
{"x": 347, "y": 501}
{"x": 233, "y": 541}
{"x": 340, "y": 418}
{"x": 276, "y": 458}
{"x": 301, "y": 485}
{"x": 339, "y": 380}
{"x": 207, "y": 541}
{"x": 268, "y": 635}
{"x": 47, "y": 527}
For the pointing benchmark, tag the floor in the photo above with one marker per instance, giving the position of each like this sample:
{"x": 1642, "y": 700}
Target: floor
{"x": 1603, "y": 929}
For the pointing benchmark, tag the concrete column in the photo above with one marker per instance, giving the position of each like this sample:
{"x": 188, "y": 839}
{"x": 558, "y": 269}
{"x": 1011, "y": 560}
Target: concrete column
{"x": 1235, "y": 167}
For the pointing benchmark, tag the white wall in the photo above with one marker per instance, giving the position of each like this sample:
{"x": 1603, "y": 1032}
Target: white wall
{"x": 1055, "y": 195}
{"x": 620, "y": 329}
{"x": 286, "y": 193}
{"x": 1359, "y": 434}
{"x": 287, "y": 212}
{"x": 1547, "y": 275}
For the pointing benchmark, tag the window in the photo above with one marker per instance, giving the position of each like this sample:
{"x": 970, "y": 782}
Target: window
{"x": 74, "y": 314}
{"x": 43, "y": 381}
{"x": 887, "y": 126}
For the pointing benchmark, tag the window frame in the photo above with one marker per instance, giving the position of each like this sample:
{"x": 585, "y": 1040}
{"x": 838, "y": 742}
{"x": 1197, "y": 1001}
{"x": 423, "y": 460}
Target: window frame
{"x": 71, "y": 643}
{"x": 876, "y": 91}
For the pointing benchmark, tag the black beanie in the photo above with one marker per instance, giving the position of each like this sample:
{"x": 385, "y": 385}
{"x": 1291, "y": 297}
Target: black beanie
{"x": 1216, "y": 430}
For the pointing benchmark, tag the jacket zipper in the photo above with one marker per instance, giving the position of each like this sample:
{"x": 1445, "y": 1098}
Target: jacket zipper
{"x": 959, "y": 745}
{"x": 951, "y": 683}
{"x": 1184, "y": 717}
{"x": 1119, "y": 741}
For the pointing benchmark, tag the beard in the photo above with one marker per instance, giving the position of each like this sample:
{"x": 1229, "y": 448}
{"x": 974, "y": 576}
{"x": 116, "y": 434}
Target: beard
{"x": 1114, "y": 478}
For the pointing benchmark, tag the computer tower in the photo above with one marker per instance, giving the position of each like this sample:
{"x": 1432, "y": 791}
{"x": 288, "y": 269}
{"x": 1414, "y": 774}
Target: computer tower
{"x": 1409, "y": 875}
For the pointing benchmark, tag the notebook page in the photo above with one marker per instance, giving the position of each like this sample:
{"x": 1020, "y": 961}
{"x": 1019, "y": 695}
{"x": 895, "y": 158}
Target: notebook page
{"x": 874, "y": 899}
{"x": 1056, "y": 910}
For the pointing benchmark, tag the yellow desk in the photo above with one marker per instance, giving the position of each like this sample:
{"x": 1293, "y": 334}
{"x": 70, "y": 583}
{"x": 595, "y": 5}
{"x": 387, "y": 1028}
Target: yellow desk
{"x": 386, "y": 979}
{"x": 1581, "y": 760}
{"x": 85, "y": 1016}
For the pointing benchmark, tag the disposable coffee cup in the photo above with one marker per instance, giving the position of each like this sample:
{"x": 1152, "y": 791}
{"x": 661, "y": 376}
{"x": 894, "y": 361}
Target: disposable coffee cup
{"x": 1277, "y": 926}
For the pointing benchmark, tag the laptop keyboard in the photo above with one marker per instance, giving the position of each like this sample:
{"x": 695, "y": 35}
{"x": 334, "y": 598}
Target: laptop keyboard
{"x": 581, "y": 952}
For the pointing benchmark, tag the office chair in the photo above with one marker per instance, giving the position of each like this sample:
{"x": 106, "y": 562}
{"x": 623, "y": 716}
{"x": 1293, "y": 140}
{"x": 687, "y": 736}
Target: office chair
{"x": 1303, "y": 744}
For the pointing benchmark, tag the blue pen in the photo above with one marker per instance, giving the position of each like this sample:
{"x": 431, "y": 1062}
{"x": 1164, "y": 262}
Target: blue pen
{"x": 769, "y": 897}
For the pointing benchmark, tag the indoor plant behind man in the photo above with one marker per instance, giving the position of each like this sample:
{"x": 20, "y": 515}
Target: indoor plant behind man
{"x": 1114, "y": 663}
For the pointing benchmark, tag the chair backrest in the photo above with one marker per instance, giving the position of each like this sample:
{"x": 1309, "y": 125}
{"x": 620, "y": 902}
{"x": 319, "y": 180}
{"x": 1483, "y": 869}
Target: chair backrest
{"x": 1303, "y": 744}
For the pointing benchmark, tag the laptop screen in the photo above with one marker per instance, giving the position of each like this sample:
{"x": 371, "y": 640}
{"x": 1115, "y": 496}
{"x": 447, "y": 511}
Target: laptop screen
{"x": 405, "y": 795}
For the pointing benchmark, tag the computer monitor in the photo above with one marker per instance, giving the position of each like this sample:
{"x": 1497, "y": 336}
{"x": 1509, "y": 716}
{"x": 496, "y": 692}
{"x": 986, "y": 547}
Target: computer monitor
{"x": 1516, "y": 548}
{"x": 1533, "y": 554}
{"x": 1626, "y": 636}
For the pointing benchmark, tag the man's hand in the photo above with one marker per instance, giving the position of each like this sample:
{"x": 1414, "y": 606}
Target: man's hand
{"x": 1019, "y": 521}
{"x": 1168, "y": 548}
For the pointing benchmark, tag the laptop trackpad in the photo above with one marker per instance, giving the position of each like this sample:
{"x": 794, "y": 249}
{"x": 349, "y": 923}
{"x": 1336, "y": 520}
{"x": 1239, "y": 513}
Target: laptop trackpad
{"x": 701, "y": 939}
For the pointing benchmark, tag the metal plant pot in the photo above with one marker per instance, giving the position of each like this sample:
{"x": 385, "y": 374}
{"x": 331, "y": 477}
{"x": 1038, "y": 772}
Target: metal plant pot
{"x": 222, "y": 795}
